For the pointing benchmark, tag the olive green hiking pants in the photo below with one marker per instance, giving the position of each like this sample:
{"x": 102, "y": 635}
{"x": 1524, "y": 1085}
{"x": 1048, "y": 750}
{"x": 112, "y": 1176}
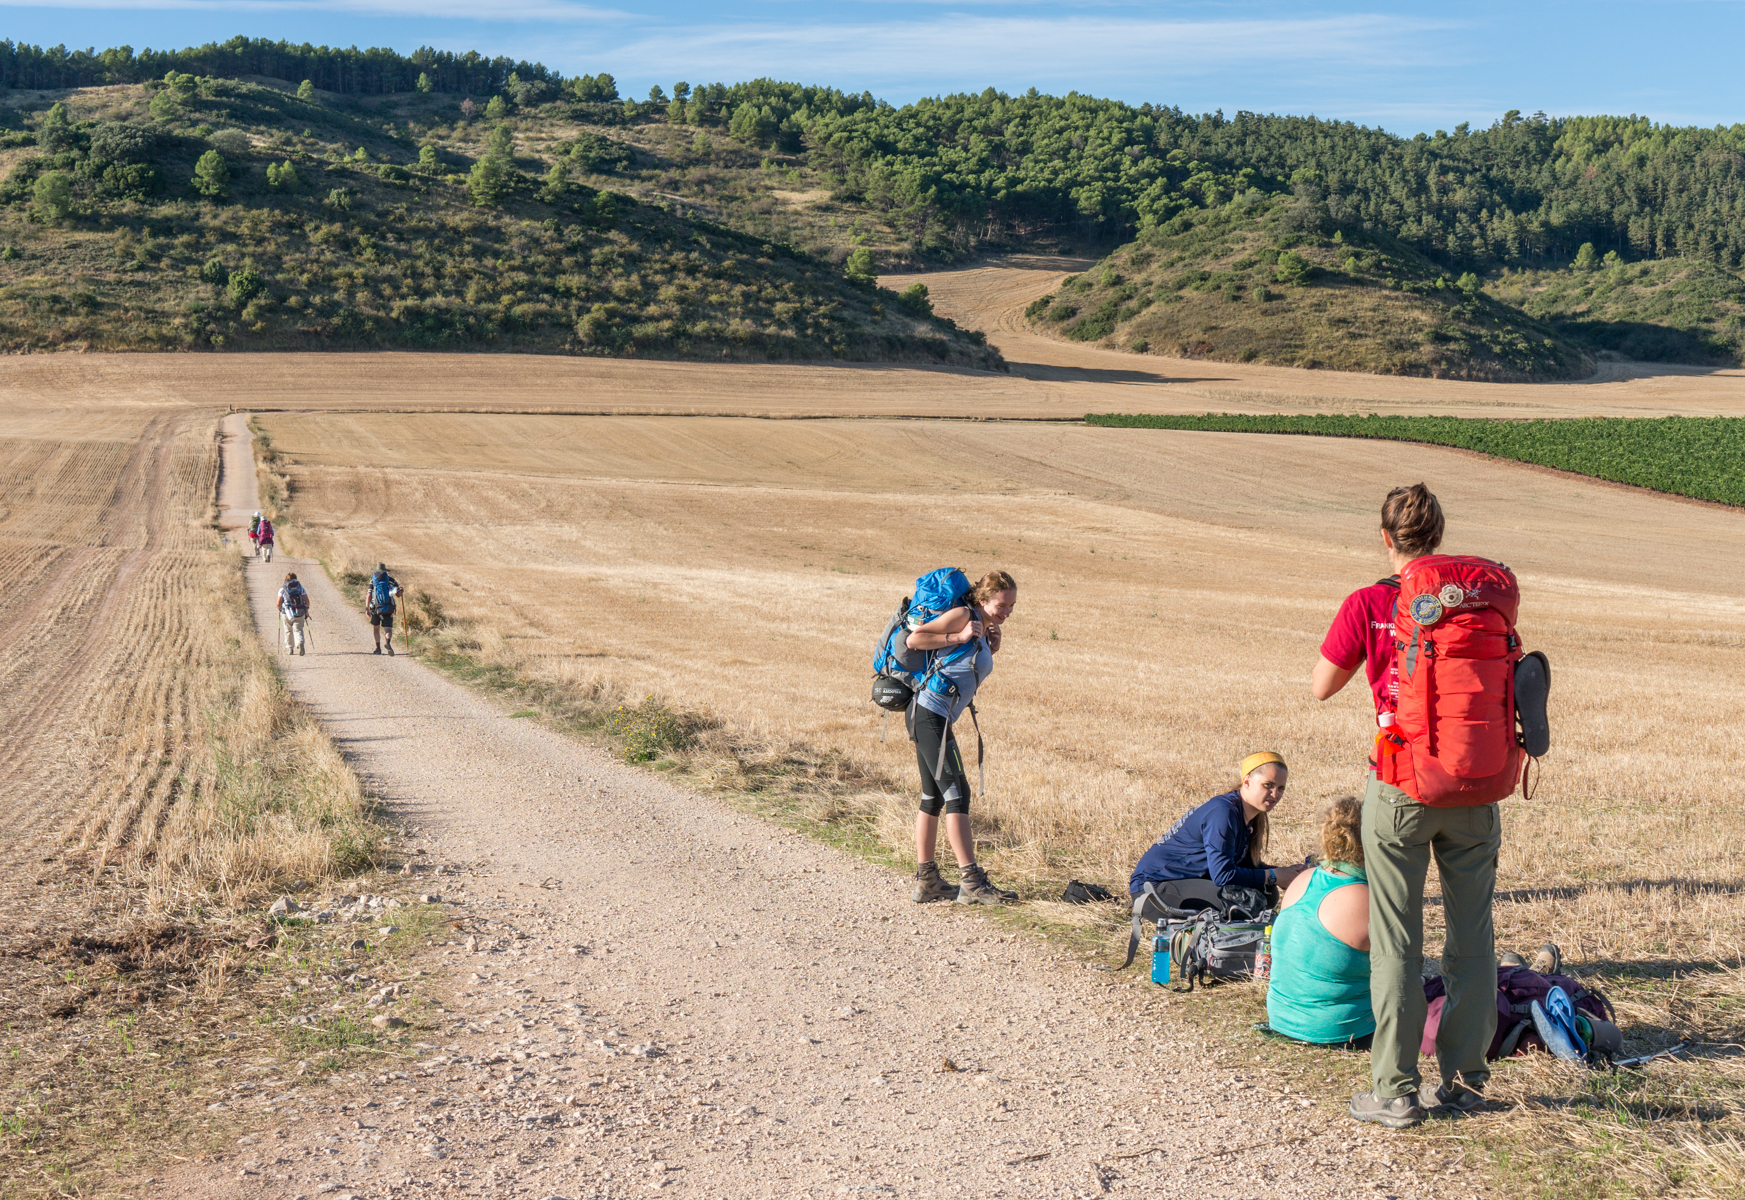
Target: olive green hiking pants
{"x": 1399, "y": 837}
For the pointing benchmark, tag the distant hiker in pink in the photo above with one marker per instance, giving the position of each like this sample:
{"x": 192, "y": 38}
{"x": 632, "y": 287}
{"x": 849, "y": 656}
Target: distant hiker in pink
{"x": 265, "y": 536}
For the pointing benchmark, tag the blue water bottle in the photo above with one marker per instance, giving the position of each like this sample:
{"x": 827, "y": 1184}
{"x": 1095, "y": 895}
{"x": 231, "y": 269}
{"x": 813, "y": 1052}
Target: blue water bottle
{"x": 1160, "y": 959}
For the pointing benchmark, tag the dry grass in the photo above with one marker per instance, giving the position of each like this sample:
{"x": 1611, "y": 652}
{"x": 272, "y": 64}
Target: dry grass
{"x": 1173, "y": 591}
{"x": 172, "y": 780}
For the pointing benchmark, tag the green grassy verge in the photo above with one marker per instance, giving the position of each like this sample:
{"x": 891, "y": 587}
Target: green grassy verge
{"x": 1699, "y": 457}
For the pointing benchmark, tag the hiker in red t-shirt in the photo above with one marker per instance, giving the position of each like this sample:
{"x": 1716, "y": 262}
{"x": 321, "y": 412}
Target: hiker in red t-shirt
{"x": 1400, "y": 835}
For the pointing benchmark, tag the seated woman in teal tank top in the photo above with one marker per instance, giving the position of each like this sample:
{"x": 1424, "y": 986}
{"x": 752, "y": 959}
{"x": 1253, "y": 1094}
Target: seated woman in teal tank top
{"x": 1319, "y": 987}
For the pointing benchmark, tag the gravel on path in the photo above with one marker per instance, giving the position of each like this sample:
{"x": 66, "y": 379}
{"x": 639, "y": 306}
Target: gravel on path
{"x": 672, "y": 996}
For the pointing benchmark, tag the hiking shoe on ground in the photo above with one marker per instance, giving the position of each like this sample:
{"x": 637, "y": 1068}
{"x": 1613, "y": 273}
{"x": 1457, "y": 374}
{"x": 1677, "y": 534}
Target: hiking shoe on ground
{"x": 1510, "y": 959}
{"x": 377, "y": 650}
{"x": 1549, "y": 960}
{"x": 930, "y": 887}
{"x": 975, "y": 889}
{"x": 1451, "y": 1100}
{"x": 390, "y": 649}
{"x": 1401, "y": 1112}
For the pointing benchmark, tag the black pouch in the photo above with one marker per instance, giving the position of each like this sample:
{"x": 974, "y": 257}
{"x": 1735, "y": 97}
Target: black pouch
{"x": 1085, "y": 893}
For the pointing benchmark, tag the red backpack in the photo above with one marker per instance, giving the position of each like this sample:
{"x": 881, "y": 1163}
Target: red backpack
{"x": 1453, "y": 742}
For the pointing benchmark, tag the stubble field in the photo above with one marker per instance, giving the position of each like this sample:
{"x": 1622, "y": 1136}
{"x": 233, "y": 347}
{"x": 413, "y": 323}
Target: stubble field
{"x": 1173, "y": 591}
{"x": 156, "y": 774}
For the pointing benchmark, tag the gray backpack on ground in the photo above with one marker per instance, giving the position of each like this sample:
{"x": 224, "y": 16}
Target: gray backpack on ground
{"x": 1210, "y": 949}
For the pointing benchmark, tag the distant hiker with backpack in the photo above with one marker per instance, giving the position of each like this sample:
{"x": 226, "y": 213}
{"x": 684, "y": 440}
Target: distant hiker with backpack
{"x": 1224, "y": 839}
{"x": 1318, "y": 990}
{"x": 293, "y": 615}
{"x": 380, "y": 594}
{"x": 254, "y": 533}
{"x": 264, "y": 534}
{"x": 934, "y": 655}
{"x": 1445, "y": 667}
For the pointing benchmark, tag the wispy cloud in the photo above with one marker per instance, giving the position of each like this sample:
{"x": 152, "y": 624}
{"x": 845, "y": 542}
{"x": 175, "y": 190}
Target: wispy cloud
{"x": 1016, "y": 51}
{"x": 522, "y": 12}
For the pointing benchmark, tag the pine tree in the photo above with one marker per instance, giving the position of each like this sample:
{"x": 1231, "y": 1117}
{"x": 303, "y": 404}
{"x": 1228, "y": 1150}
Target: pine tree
{"x": 211, "y": 175}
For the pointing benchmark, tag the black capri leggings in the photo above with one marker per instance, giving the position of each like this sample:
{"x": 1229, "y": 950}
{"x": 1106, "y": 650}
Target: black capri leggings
{"x": 950, "y": 789}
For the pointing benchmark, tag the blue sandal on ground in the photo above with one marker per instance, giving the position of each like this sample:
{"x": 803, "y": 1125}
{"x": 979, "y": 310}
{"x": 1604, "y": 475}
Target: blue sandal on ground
{"x": 1555, "y": 1022}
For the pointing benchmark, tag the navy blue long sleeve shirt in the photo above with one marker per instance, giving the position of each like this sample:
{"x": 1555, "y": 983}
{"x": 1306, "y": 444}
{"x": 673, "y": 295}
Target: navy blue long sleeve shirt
{"x": 1211, "y": 842}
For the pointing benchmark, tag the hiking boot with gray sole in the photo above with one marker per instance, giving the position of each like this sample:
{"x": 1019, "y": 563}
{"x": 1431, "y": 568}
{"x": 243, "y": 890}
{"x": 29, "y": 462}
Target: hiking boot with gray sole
{"x": 1510, "y": 959}
{"x": 1548, "y": 961}
{"x": 1401, "y": 1112}
{"x": 1451, "y": 1100}
{"x": 930, "y": 887}
{"x": 975, "y": 889}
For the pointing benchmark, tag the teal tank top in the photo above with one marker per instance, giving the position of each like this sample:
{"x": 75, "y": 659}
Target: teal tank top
{"x": 1319, "y": 987}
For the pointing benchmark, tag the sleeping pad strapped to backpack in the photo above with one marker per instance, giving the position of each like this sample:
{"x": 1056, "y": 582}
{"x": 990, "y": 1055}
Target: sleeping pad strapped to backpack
{"x": 1453, "y": 741}
{"x": 900, "y": 674}
{"x": 1517, "y": 990}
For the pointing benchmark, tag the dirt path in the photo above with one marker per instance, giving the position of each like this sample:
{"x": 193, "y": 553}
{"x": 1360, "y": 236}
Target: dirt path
{"x": 673, "y": 995}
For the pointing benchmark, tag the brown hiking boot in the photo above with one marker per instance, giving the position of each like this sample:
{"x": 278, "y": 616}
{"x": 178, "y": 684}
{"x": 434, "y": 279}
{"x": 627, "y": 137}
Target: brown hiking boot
{"x": 1549, "y": 960}
{"x": 975, "y": 889}
{"x": 930, "y": 887}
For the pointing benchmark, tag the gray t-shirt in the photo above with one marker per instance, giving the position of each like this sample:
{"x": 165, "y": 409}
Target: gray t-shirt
{"x": 967, "y": 673}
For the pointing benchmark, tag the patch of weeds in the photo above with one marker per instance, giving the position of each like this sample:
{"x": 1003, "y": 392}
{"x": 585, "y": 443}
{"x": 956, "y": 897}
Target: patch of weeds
{"x": 649, "y": 730}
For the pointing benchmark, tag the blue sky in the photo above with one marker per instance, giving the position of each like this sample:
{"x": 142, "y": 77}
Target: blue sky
{"x": 1407, "y": 67}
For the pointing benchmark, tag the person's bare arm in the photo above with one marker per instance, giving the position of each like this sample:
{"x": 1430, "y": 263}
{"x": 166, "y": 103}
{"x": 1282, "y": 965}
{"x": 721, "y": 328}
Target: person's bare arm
{"x": 1328, "y": 679}
{"x": 948, "y": 629}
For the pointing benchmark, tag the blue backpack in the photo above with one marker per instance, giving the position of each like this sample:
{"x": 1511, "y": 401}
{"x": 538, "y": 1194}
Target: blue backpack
{"x": 900, "y": 673}
{"x": 382, "y": 593}
{"x": 936, "y": 593}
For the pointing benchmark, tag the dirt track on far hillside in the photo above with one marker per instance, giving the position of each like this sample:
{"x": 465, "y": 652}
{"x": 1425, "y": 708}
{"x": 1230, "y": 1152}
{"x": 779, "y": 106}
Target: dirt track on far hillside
{"x": 710, "y": 1004}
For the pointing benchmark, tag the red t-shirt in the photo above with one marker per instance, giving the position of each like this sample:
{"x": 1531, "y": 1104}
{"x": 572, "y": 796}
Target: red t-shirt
{"x": 1363, "y": 632}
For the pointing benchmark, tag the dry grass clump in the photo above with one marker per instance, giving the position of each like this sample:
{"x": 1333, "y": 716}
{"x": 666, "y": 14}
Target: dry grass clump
{"x": 1173, "y": 591}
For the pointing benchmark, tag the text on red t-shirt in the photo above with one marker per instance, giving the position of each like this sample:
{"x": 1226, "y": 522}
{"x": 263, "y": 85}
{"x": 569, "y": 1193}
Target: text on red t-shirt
{"x": 1363, "y": 632}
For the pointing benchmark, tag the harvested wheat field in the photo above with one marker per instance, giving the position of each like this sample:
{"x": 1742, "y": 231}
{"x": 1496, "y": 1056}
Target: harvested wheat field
{"x": 1049, "y": 379}
{"x": 1173, "y": 591}
{"x": 155, "y": 768}
{"x": 1174, "y": 587}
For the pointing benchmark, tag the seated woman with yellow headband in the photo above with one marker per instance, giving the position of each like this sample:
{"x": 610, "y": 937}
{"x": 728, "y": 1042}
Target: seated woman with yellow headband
{"x": 1224, "y": 839}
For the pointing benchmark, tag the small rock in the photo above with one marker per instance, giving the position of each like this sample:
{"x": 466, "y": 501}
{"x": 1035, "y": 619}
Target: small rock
{"x": 360, "y": 944}
{"x": 843, "y": 1013}
{"x": 472, "y": 945}
{"x": 245, "y": 1140}
{"x": 430, "y": 898}
{"x": 387, "y": 929}
{"x": 283, "y": 906}
{"x": 406, "y": 869}
{"x": 435, "y": 1151}
{"x": 386, "y": 1022}
{"x": 946, "y": 1066}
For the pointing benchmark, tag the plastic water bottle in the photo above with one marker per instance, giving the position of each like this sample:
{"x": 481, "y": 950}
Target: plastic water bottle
{"x": 1263, "y": 960}
{"x": 1160, "y": 959}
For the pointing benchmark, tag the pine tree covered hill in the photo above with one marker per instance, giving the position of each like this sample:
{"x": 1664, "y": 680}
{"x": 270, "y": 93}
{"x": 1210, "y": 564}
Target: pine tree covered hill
{"x": 202, "y": 212}
{"x": 465, "y": 151}
{"x": 1265, "y": 280}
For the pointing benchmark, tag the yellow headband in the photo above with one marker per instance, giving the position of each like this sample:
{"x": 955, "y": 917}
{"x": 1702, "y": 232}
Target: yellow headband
{"x": 1260, "y": 759}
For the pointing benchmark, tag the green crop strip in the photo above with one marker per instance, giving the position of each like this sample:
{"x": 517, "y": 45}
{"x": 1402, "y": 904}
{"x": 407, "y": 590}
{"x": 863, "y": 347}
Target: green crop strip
{"x": 1700, "y": 457}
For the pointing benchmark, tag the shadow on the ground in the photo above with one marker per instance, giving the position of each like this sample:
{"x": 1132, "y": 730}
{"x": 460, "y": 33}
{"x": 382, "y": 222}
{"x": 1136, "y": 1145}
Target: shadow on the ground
{"x": 1048, "y": 373}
